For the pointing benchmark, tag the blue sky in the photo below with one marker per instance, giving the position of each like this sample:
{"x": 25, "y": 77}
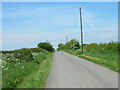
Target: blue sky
{"x": 60, "y": 0}
{"x": 26, "y": 24}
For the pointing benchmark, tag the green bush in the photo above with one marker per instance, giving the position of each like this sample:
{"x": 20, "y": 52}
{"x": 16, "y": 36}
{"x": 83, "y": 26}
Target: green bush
{"x": 61, "y": 46}
{"x": 72, "y": 44}
{"x": 46, "y": 45}
{"x": 23, "y": 54}
{"x": 19, "y": 55}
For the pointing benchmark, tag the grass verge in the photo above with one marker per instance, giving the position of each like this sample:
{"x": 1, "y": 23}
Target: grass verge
{"x": 31, "y": 74}
{"x": 38, "y": 78}
{"x": 109, "y": 60}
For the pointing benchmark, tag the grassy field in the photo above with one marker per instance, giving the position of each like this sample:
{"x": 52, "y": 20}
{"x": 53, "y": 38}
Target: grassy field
{"x": 105, "y": 54}
{"x": 27, "y": 70}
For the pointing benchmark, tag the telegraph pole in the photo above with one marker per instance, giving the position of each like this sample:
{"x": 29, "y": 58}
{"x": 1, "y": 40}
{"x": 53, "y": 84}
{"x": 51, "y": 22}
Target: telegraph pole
{"x": 81, "y": 28}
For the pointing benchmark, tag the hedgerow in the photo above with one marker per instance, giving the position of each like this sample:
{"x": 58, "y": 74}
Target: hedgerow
{"x": 17, "y": 64}
{"x": 110, "y": 47}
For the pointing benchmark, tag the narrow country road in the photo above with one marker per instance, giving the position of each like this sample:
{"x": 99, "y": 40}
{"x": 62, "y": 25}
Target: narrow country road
{"x": 69, "y": 71}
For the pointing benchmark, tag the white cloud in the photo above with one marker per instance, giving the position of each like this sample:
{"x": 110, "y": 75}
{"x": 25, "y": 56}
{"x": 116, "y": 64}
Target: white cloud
{"x": 31, "y": 37}
{"x": 108, "y": 36}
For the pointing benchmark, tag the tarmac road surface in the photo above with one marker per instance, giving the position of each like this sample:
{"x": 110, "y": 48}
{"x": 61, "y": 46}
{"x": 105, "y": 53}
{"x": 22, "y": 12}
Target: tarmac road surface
{"x": 69, "y": 71}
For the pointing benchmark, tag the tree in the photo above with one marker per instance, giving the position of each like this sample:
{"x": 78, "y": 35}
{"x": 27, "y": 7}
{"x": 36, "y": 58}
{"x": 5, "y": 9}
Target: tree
{"x": 73, "y": 44}
{"x": 61, "y": 46}
{"x": 46, "y": 45}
